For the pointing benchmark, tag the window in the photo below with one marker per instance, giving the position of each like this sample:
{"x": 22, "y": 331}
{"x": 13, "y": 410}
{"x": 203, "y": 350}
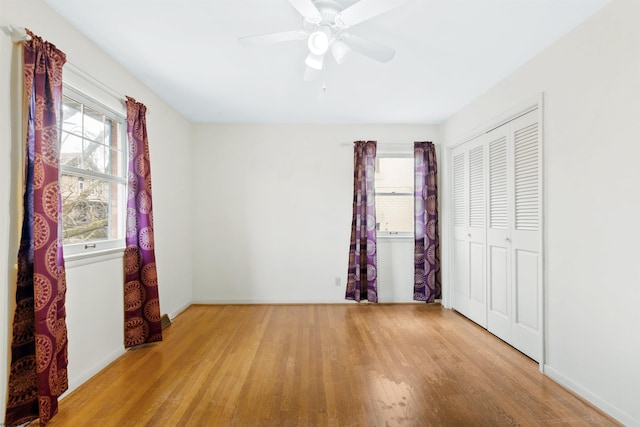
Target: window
{"x": 92, "y": 175}
{"x": 394, "y": 182}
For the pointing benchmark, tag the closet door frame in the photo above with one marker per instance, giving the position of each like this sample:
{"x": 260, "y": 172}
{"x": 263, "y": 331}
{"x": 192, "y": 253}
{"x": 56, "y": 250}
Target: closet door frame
{"x": 534, "y": 103}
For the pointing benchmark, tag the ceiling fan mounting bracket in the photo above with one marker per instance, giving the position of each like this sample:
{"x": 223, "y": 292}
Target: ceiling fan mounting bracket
{"x": 328, "y": 9}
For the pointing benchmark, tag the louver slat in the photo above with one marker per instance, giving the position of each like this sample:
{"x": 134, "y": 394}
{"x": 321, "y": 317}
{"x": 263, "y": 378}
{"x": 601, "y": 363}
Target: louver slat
{"x": 476, "y": 187}
{"x": 498, "y": 184}
{"x": 458, "y": 190}
{"x": 526, "y": 178}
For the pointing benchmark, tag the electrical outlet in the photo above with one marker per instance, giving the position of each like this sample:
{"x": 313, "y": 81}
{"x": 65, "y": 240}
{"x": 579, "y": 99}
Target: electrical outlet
{"x": 338, "y": 281}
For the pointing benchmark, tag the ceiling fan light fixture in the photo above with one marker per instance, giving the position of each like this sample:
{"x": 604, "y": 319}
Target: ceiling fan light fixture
{"x": 340, "y": 51}
{"x": 319, "y": 41}
{"x": 314, "y": 61}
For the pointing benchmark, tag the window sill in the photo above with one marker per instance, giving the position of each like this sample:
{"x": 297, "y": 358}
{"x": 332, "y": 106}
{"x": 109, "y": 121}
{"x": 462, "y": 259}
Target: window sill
{"x": 77, "y": 260}
{"x": 387, "y": 236}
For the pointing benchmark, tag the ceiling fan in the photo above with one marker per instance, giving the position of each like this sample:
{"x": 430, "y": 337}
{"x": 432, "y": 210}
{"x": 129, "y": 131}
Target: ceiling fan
{"x": 324, "y": 26}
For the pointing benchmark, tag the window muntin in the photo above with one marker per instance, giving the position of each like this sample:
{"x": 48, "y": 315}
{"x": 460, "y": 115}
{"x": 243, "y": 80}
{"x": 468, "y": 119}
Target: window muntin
{"x": 394, "y": 183}
{"x": 92, "y": 180}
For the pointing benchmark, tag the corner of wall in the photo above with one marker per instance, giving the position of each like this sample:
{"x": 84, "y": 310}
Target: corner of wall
{"x": 591, "y": 397}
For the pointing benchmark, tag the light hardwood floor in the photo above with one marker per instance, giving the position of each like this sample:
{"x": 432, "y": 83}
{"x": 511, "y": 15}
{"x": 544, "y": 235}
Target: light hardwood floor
{"x": 324, "y": 365}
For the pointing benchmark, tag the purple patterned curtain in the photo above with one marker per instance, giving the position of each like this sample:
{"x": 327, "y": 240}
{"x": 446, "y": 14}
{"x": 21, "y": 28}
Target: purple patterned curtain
{"x": 427, "y": 283}
{"x": 141, "y": 301}
{"x": 38, "y": 374}
{"x": 362, "y": 277}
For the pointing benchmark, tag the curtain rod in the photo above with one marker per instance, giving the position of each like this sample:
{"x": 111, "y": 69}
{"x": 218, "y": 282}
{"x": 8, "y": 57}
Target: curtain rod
{"x": 385, "y": 144}
{"x": 17, "y": 34}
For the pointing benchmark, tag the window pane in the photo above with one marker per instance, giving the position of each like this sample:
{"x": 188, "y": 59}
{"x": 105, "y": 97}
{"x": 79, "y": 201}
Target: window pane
{"x": 70, "y": 150}
{"x": 72, "y": 116}
{"x": 114, "y": 162}
{"x": 111, "y": 133}
{"x": 116, "y": 198}
{"x": 94, "y": 158}
{"x": 394, "y": 194}
{"x": 394, "y": 213}
{"x": 93, "y": 125}
{"x": 88, "y": 208}
{"x": 394, "y": 175}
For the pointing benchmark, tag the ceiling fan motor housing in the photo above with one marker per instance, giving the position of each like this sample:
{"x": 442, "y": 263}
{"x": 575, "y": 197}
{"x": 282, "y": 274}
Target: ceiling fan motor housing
{"x": 328, "y": 10}
{"x": 322, "y": 30}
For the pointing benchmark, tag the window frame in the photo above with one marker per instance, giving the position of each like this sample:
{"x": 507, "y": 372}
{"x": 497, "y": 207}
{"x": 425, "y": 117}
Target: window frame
{"x": 381, "y": 234}
{"x": 81, "y": 250}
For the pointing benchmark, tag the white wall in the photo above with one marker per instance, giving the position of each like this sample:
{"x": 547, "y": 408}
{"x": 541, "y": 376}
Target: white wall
{"x": 395, "y": 269}
{"x": 94, "y": 297}
{"x": 591, "y": 85}
{"x": 272, "y": 211}
{"x": 94, "y": 323}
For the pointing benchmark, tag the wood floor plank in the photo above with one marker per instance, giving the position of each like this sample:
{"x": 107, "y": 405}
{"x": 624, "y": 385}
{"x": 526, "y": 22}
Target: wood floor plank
{"x": 324, "y": 365}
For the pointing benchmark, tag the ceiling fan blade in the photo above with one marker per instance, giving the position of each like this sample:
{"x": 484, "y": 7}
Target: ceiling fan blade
{"x": 368, "y": 48}
{"x": 307, "y": 9}
{"x": 363, "y": 10}
{"x": 262, "y": 39}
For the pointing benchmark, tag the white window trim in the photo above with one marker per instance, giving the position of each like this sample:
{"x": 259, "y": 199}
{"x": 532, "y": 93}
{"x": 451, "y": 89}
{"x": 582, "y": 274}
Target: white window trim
{"x": 80, "y": 259}
{"x": 395, "y": 235}
{"x": 88, "y": 93}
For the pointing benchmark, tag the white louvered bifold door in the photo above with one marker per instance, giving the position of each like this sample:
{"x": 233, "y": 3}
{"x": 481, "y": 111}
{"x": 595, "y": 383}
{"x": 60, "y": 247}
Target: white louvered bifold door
{"x": 496, "y": 258}
{"x": 476, "y": 233}
{"x": 498, "y": 234}
{"x": 459, "y": 249}
{"x": 525, "y": 235}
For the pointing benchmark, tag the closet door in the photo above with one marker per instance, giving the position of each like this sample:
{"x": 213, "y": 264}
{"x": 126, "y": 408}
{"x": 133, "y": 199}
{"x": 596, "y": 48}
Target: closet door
{"x": 476, "y": 233}
{"x": 526, "y": 236}
{"x": 496, "y": 265}
{"x": 469, "y": 234}
{"x": 459, "y": 250}
{"x": 499, "y": 234}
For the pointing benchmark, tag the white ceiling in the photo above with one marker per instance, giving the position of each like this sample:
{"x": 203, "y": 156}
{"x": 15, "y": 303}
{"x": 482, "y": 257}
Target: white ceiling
{"x": 448, "y": 52}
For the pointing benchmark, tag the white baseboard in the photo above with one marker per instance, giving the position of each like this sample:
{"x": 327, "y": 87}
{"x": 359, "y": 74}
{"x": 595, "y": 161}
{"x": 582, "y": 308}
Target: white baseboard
{"x": 315, "y": 301}
{"x": 592, "y": 398}
{"x": 84, "y": 376}
{"x": 183, "y": 307}
{"x": 75, "y": 382}
{"x": 266, "y": 301}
